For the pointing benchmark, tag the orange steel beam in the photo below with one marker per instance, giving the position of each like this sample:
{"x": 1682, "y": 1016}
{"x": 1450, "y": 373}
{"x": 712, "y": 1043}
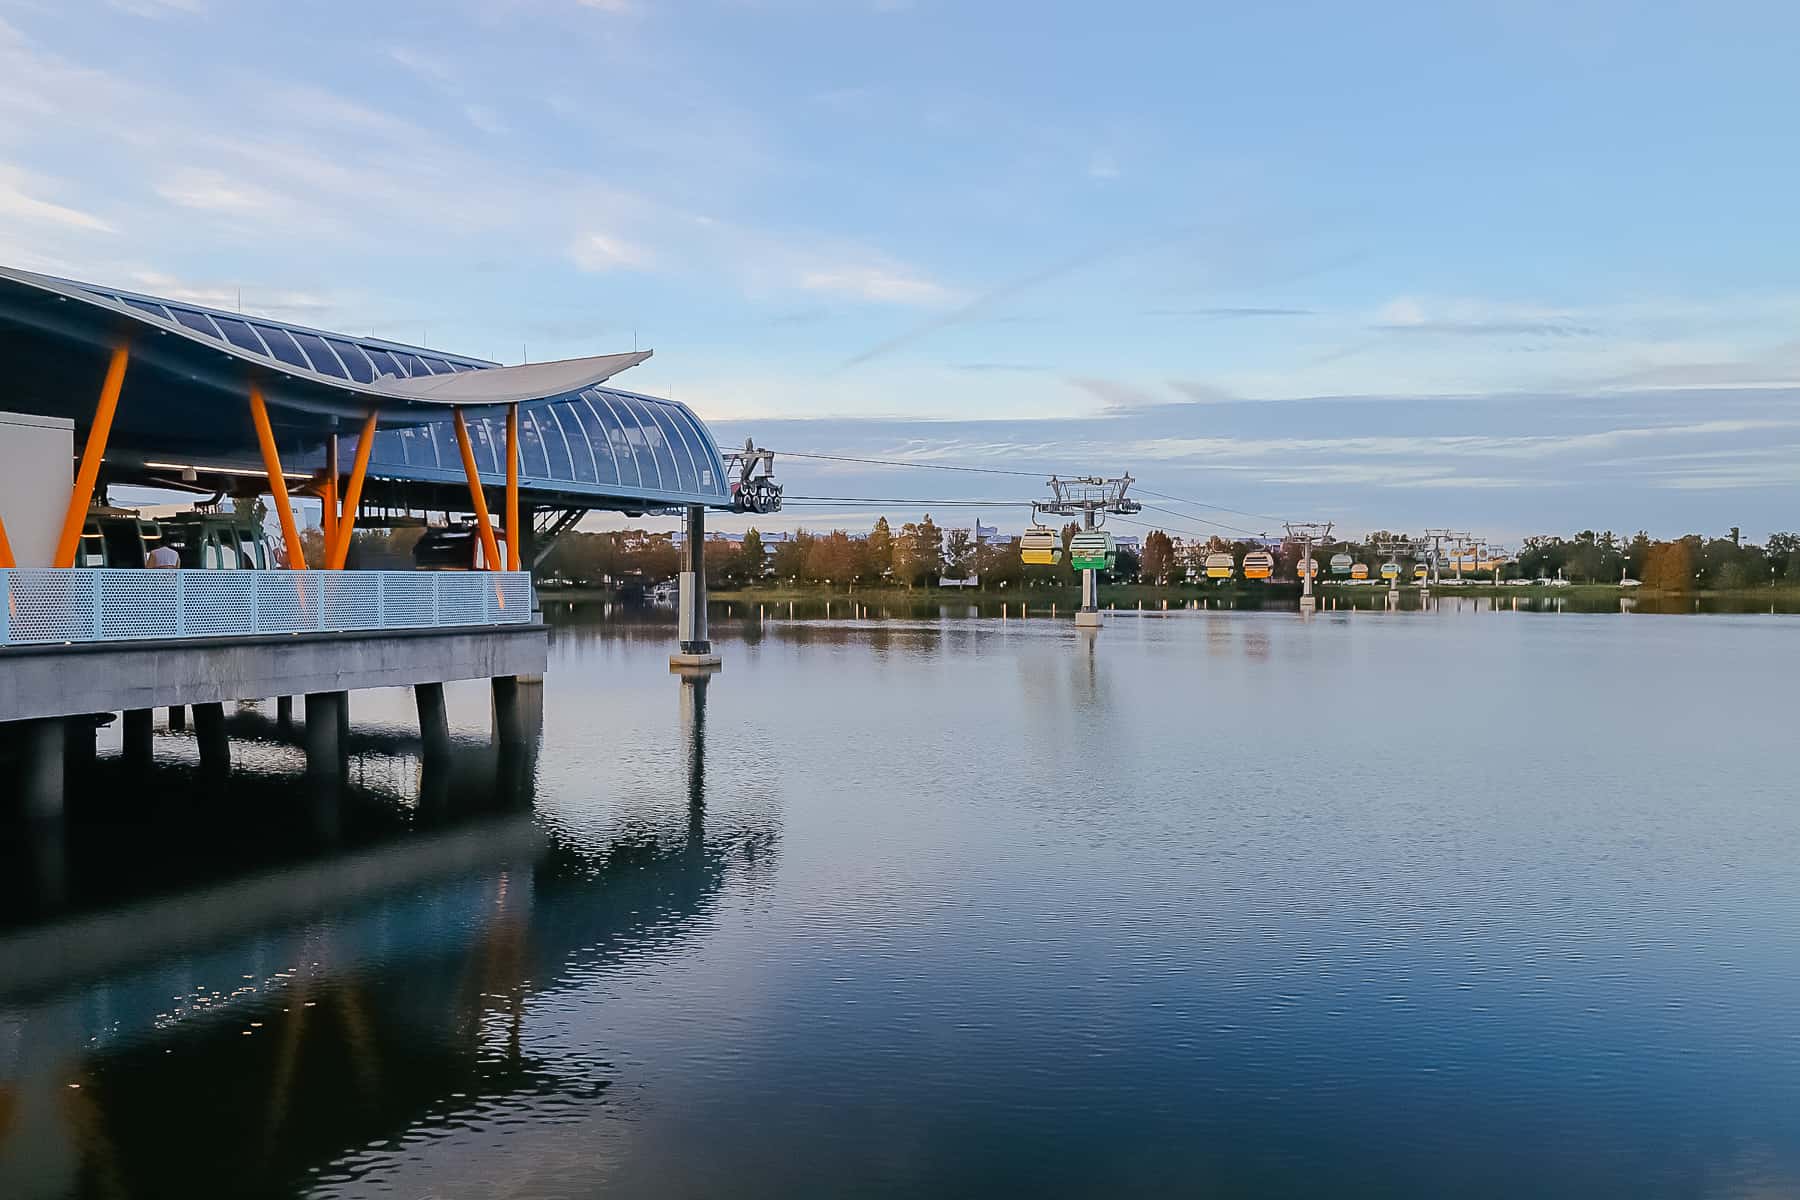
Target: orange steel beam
{"x": 477, "y": 499}
{"x": 91, "y": 453}
{"x": 265, "y": 435}
{"x": 337, "y": 551}
{"x": 513, "y": 540}
{"x": 328, "y": 495}
{"x": 6, "y": 554}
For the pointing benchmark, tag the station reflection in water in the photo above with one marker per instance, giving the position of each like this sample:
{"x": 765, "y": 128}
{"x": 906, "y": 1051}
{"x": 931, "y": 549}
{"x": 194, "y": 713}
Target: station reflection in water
{"x": 246, "y": 981}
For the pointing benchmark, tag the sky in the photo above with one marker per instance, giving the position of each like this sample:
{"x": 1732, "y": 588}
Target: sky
{"x": 1512, "y": 266}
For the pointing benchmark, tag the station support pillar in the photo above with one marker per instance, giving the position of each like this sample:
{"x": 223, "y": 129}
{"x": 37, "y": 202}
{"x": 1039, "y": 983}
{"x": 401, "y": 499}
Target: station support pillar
{"x": 324, "y": 728}
{"x": 434, "y": 721}
{"x": 695, "y": 649}
{"x": 215, "y": 745}
{"x": 509, "y": 715}
{"x": 1088, "y": 615}
{"x": 1308, "y": 567}
{"x": 41, "y": 768}
{"x": 140, "y": 738}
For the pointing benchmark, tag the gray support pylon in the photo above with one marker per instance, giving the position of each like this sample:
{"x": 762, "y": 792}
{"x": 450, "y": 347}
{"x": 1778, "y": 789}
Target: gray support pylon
{"x": 434, "y": 720}
{"x": 209, "y": 730}
{"x": 322, "y": 730}
{"x": 140, "y": 737}
{"x": 692, "y": 631}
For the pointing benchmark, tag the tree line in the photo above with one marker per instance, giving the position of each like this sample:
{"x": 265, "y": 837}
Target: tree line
{"x": 918, "y": 554}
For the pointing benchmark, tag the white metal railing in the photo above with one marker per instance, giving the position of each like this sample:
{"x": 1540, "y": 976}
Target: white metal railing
{"x": 40, "y": 606}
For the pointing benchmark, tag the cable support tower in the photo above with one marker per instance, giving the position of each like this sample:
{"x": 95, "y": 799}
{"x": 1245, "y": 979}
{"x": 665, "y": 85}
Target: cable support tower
{"x": 1306, "y": 533}
{"x": 1092, "y": 498}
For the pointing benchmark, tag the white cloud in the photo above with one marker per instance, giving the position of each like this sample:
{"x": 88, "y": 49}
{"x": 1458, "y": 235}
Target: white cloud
{"x": 424, "y": 65}
{"x": 883, "y": 285}
{"x": 484, "y": 118}
{"x": 1102, "y": 166}
{"x": 158, "y": 9}
{"x": 215, "y": 191}
{"x": 603, "y": 252}
{"x": 17, "y": 205}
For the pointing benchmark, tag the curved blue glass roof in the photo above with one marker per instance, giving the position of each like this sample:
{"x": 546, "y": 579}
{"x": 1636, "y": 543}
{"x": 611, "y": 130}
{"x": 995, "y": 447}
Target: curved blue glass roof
{"x": 599, "y": 442}
{"x": 340, "y": 356}
{"x": 580, "y": 441}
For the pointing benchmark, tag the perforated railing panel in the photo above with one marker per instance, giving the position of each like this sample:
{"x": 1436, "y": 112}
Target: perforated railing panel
{"x": 43, "y": 607}
{"x": 462, "y": 598}
{"x": 138, "y": 604}
{"x": 409, "y": 599}
{"x": 215, "y": 603}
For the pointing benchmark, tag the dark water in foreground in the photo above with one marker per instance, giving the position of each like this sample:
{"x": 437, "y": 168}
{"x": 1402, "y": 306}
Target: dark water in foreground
{"x": 1455, "y": 903}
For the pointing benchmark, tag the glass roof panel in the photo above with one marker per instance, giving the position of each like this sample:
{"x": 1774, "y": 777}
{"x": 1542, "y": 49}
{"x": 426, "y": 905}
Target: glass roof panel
{"x": 239, "y": 334}
{"x": 556, "y": 443}
{"x": 384, "y": 363}
{"x": 196, "y": 321}
{"x": 355, "y": 361}
{"x": 584, "y": 455}
{"x": 659, "y": 445}
{"x": 155, "y": 310}
{"x": 283, "y": 347}
{"x": 413, "y": 363}
{"x": 684, "y": 460}
{"x": 606, "y": 463}
{"x": 323, "y": 360}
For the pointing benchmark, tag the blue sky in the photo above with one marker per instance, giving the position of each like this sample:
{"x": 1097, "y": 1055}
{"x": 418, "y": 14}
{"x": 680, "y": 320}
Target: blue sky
{"x": 1516, "y": 266}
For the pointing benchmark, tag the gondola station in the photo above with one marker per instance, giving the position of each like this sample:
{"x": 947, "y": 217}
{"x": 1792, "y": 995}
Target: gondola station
{"x": 109, "y": 388}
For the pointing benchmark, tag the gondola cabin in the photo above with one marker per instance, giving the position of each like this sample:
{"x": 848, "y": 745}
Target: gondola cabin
{"x": 1359, "y": 571}
{"x": 1219, "y": 565}
{"x": 1091, "y": 550}
{"x": 454, "y": 548}
{"x": 1306, "y": 567}
{"x": 1421, "y": 573}
{"x": 1040, "y": 546}
{"x": 1343, "y": 564}
{"x": 1259, "y": 564}
{"x": 1390, "y": 570}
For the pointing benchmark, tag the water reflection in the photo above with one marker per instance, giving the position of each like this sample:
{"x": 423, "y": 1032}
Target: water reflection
{"x": 257, "y": 990}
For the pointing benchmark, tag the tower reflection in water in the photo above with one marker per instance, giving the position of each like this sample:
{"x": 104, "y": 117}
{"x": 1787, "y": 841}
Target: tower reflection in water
{"x": 240, "y": 987}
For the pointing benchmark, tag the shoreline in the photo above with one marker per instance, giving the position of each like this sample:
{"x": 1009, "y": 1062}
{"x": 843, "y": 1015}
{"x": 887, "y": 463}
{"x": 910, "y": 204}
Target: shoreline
{"x": 1121, "y": 593}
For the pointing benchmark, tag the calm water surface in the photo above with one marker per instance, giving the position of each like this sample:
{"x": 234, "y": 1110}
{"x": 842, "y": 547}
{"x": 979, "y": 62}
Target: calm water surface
{"x": 1219, "y": 903}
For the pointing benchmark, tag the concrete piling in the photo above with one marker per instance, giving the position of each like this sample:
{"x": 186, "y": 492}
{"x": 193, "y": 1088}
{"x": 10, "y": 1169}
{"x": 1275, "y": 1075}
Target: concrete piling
{"x": 434, "y": 721}
{"x": 209, "y": 730}
{"x": 140, "y": 738}
{"x": 323, "y": 730}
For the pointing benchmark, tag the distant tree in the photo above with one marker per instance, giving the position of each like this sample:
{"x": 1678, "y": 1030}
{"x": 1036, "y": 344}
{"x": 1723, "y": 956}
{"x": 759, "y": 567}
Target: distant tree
{"x": 312, "y": 545}
{"x": 1670, "y": 566}
{"x": 998, "y": 564}
{"x": 790, "y": 556}
{"x": 959, "y": 553}
{"x": 881, "y": 548}
{"x": 1158, "y": 558}
{"x": 1783, "y": 553}
{"x": 1637, "y": 555}
{"x": 753, "y": 560}
{"x": 928, "y": 548}
{"x": 1126, "y": 564}
{"x": 724, "y": 563}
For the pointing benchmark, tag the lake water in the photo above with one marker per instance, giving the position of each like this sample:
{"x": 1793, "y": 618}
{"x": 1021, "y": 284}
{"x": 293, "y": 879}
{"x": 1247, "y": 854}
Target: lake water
{"x": 1458, "y": 902}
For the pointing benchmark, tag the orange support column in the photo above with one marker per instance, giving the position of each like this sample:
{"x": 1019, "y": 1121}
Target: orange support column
{"x": 265, "y": 435}
{"x": 91, "y": 453}
{"x": 514, "y": 537}
{"x": 328, "y": 495}
{"x": 477, "y": 499}
{"x": 6, "y": 554}
{"x": 337, "y": 551}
